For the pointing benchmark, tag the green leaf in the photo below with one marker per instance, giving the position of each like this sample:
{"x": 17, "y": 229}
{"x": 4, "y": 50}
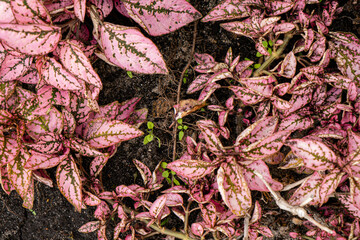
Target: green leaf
{"x": 176, "y": 182}
{"x": 181, "y": 135}
{"x": 164, "y": 165}
{"x": 258, "y": 54}
{"x": 185, "y": 127}
{"x": 265, "y": 44}
{"x": 269, "y": 50}
{"x": 129, "y": 73}
{"x": 180, "y": 127}
{"x": 180, "y": 121}
{"x": 150, "y": 125}
{"x": 256, "y": 66}
{"x": 270, "y": 43}
{"x": 165, "y": 174}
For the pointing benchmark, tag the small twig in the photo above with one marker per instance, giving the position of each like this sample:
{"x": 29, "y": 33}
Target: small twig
{"x": 246, "y": 227}
{"x": 295, "y": 184}
{"x": 61, "y": 10}
{"x": 295, "y": 210}
{"x": 179, "y": 87}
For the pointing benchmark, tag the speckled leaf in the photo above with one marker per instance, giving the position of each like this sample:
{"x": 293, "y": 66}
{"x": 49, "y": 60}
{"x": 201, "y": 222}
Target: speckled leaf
{"x": 254, "y": 182}
{"x": 42, "y": 176}
{"x": 19, "y": 176}
{"x": 308, "y": 189}
{"x": 125, "y": 109}
{"x": 233, "y": 188}
{"x": 316, "y": 155}
{"x": 30, "y": 11}
{"x": 124, "y": 191}
{"x": 76, "y": 62}
{"x": 106, "y": 6}
{"x": 329, "y": 185}
{"x": 161, "y": 17}
{"x": 44, "y": 161}
{"x": 48, "y": 143}
{"x": 49, "y": 96}
{"x": 128, "y": 48}
{"x": 78, "y": 108}
{"x": 101, "y": 133}
{"x": 248, "y": 96}
{"x": 14, "y": 66}
{"x": 69, "y": 123}
{"x": 90, "y": 227}
{"x": 97, "y": 164}
{"x": 32, "y": 39}
{"x": 312, "y": 73}
{"x": 144, "y": 171}
{"x": 229, "y": 9}
{"x": 6, "y": 118}
{"x": 295, "y": 122}
{"x": 297, "y": 102}
{"x": 278, "y": 7}
{"x": 355, "y": 190}
{"x": 261, "y": 85}
{"x": 158, "y": 206}
{"x": 81, "y": 147}
{"x": 240, "y": 28}
{"x": 267, "y": 146}
{"x": 5, "y": 181}
{"x": 349, "y": 205}
{"x": 207, "y": 91}
{"x": 213, "y": 142}
{"x": 288, "y": 66}
{"x": 53, "y": 73}
{"x": 192, "y": 169}
{"x": 31, "y": 76}
{"x": 283, "y": 28}
{"x": 6, "y": 14}
{"x": 69, "y": 182}
{"x": 9, "y": 148}
{"x": 280, "y": 103}
{"x": 198, "y": 83}
{"x": 347, "y": 54}
{"x": 80, "y": 9}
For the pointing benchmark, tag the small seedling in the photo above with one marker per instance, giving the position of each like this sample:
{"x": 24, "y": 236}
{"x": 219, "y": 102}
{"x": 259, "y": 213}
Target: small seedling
{"x": 182, "y": 128}
{"x": 186, "y": 75}
{"x": 148, "y": 138}
{"x": 166, "y": 174}
{"x": 129, "y": 74}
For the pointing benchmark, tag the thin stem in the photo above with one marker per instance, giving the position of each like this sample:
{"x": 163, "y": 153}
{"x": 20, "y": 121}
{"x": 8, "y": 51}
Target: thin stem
{"x": 274, "y": 55}
{"x": 61, "y": 10}
{"x": 186, "y": 220}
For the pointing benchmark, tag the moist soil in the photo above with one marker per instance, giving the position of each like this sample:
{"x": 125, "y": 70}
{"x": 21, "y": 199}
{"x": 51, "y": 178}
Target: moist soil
{"x": 53, "y": 218}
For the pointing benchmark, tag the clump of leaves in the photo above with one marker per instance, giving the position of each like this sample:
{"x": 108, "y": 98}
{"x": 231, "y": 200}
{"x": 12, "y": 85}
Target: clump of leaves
{"x": 150, "y": 136}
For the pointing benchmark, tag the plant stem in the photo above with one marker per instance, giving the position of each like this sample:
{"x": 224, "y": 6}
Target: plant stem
{"x": 274, "y": 55}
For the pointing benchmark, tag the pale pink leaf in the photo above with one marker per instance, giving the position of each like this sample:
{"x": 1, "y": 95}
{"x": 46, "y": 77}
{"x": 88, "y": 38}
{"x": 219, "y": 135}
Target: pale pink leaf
{"x": 76, "y": 62}
{"x": 81, "y": 146}
{"x": 308, "y": 190}
{"x": 227, "y": 10}
{"x": 233, "y": 188}
{"x": 97, "y": 164}
{"x": 30, "y": 11}
{"x": 102, "y": 211}
{"x": 261, "y": 85}
{"x": 31, "y": 76}
{"x": 349, "y": 205}
{"x": 6, "y": 13}
{"x": 174, "y": 199}
{"x": 90, "y": 227}
{"x": 80, "y": 9}
{"x": 14, "y": 66}
{"x": 213, "y": 142}
{"x": 6, "y": 117}
{"x": 42, "y": 176}
{"x": 279, "y": 7}
{"x": 52, "y": 122}
{"x": 355, "y": 190}
{"x": 124, "y": 191}
{"x": 254, "y": 182}
{"x": 100, "y": 133}
{"x": 48, "y": 143}
{"x": 128, "y": 48}
{"x": 209, "y": 214}
{"x": 240, "y": 28}
{"x": 69, "y": 182}
{"x": 5, "y": 180}
{"x": 161, "y": 17}
{"x": 329, "y": 185}
{"x": 49, "y": 96}
{"x": 9, "y": 148}
{"x": 144, "y": 171}
{"x": 288, "y": 66}
{"x": 69, "y": 123}
{"x": 19, "y": 176}
{"x": 316, "y": 155}
{"x": 158, "y": 206}
{"x": 197, "y": 229}
{"x": 280, "y": 103}
{"x": 78, "y": 108}
{"x": 283, "y": 28}
{"x": 32, "y": 39}
{"x": 192, "y": 169}
{"x": 106, "y": 6}
{"x": 125, "y": 109}
{"x": 295, "y": 122}
{"x": 246, "y": 95}
{"x": 198, "y": 83}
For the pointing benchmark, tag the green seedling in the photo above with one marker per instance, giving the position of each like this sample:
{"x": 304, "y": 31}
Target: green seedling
{"x": 168, "y": 175}
{"x": 186, "y": 75}
{"x": 150, "y": 136}
{"x": 129, "y": 74}
{"x": 182, "y": 128}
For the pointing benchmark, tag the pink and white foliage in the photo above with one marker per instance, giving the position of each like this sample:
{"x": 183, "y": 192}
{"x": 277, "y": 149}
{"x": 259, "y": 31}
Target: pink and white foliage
{"x": 32, "y": 11}
{"x": 128, "y": 48}
{"x": 192, "y": 169}
{"x": 161, "y": 17}
{"x": 227, "y": 10}
{"x": 6, "y": 13}
{"x": 14, "y": 66}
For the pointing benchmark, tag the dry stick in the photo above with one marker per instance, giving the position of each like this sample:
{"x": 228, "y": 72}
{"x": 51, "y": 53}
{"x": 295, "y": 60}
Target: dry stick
{"x": 179, "y": 86}
{"x": 295, "y": 210}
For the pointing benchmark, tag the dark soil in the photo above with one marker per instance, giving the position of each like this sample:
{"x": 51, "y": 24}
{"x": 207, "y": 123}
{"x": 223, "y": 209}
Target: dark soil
{"x": 55, "y": 219}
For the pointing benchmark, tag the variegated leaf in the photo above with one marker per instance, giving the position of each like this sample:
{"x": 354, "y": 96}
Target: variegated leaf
{"x": 31, "y": 39}
{"x": 44, "y": 161}
{"x": 161, "y": 17}
{"x": 69, "y": 123}
{"x": 125, "y": 109}
{"x": 248, "y": 96}
{"x": 288, "y": 66}
{"x": 30, "y": 12}
{"x": 97, "y": 164}
{"x": 316, "y": 155}
{"x": 329, "y": 185}
{"x": 349, "y": 205}
{"x": 191, "y": 169}
{"x": 14, "y": 66}
{"x": 295, "y": 122}
{"x": 106, "y": 6}
{"x": 198, "y": 83}
{"x": 213, "y": 142}
{"x": 128, "y": 48}
{"x": 261, "y": 85}
{"x": 158, "y": 206}
{"x": 53, "y": 73}
{"x": 355, "y": 191}
{"x": 101, "y": 133}
{"x": 279, "y": 7}
{"x": 80, "y": 9}
{"x": 78, "y": 108}
{"x": 90, "y": 227}
{"x": 124, "y": 191}
{"x": 69, "y": 182}
{"x": 233, "y": 188}
{"x": 4, "y": 179}
{"x": 19, "y": 176}
{"x": 6, "y": 117}
{"x": 240, "y": 28}
{"x": 227, "y": 10}
{"x": 144, "y": 171}
{"x": 48, "y": 143}
{"x": 308, "y": 190}
{"x": 82, "y": 147}
{"x": 76, "y": 62}
{"x": 9, "y": 148}
{"x": 7, "y": 15}
{"x": 347, "y": 57}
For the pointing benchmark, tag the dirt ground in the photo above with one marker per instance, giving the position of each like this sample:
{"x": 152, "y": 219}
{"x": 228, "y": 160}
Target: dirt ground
{"x": 53, "y": 218}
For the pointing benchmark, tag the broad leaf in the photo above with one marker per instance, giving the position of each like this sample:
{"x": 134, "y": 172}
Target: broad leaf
{"x": 308, "y": 190}
{"x": 128, "y": 48}
{"x": 48, "y": 143}
{"x": 158, "y": 206}
{"x": 69, "y": 182}
{"x": 7, "y": 15}
{"x": 100, "y": 133}
{"x": 14, "y": 66}
{"x": 233, "y": 188}
{"x": 44, "y": 161}
{"x": 192, "y": 169}
{"x": 9, "y": 148}
{"x": 82, "y": 147}
{"x": 90, "y": 227}
{"x": 30, "y": 11}
{"x": 295, "y": 122}
{"x": 31, "y": 39}
{"x": 316, "y": 155}
{"x": 213, "y": 142}
{"x": 161, "y": 17}
{"x": 97, "y": 164}
{"x": 5, "y": 180}
{"x": 227, "y": 10}
{"x": 80, "y": 9}
{"x": 144, "y": 171}
{"x": 246, "y": 95}
{"x": 106, "y": 6}
{"x": 288, "y": 66}
{"x": 329, "y": 185}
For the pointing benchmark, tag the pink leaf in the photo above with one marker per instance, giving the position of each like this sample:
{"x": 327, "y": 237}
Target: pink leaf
{"x": 6, "y": 14}
{"x": 6, "y": 118}
{"x": 329, "y": 185}
{"x": 349, "y": 205}
{"x": 80, "y": 9}
{"x": 144, "y": 171}
{"x": 102, "y": 211}
{"x": 227, "y": 10}
{"x": 69, "y": 123}
{"x": 198, "y": 83}
{"x": 78, "y": 108}
{"x": 81, "y": 147}
{"x": 48, "y": 143}
{"x": 161, "y": 17}
{"x": 14, "y": 66}
{"x": 279, "y": 7}
{"x": 158, "y": 206}
{"x": 197, "y": 229}
{"x": 308, "y": 190}
{"x": 44, "y": 161}
{"x": 30, "y": 11}
{"x": 295, "y": 122}
{"x": 255, "y": 183}
{"x": 316, "y": 155}
{"x": 288, "y": 66}
{"x": 233, "y": 188}
{"x": 240, "y": 28}
{"x": 5, "y": 180}
{"x": 9, "y": 148}
{"x": 248, "y": 96}
{"x": 53, "y": 73}
{"x": 213, "y": 142}
{"x": 283, "y": 28}
{"x": 49, "y": 96}
{"x": 90, "y": 227}
{"x": 261, "y": 85}
{"x": 31, "y": 39}
{"x": 97, "y": 164}
{"x": 192, "y": 169}
{"x": 76, "y": 62}
{"x": 69, "y": 182}
{"x": 100, "y": 133}
{"x": 106, "y": 6}
{"x": 128, "y": 48}
{"x": 125, "y": 109}
{"x": 174, "y": 199}
{"x": 124, "y": 191}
